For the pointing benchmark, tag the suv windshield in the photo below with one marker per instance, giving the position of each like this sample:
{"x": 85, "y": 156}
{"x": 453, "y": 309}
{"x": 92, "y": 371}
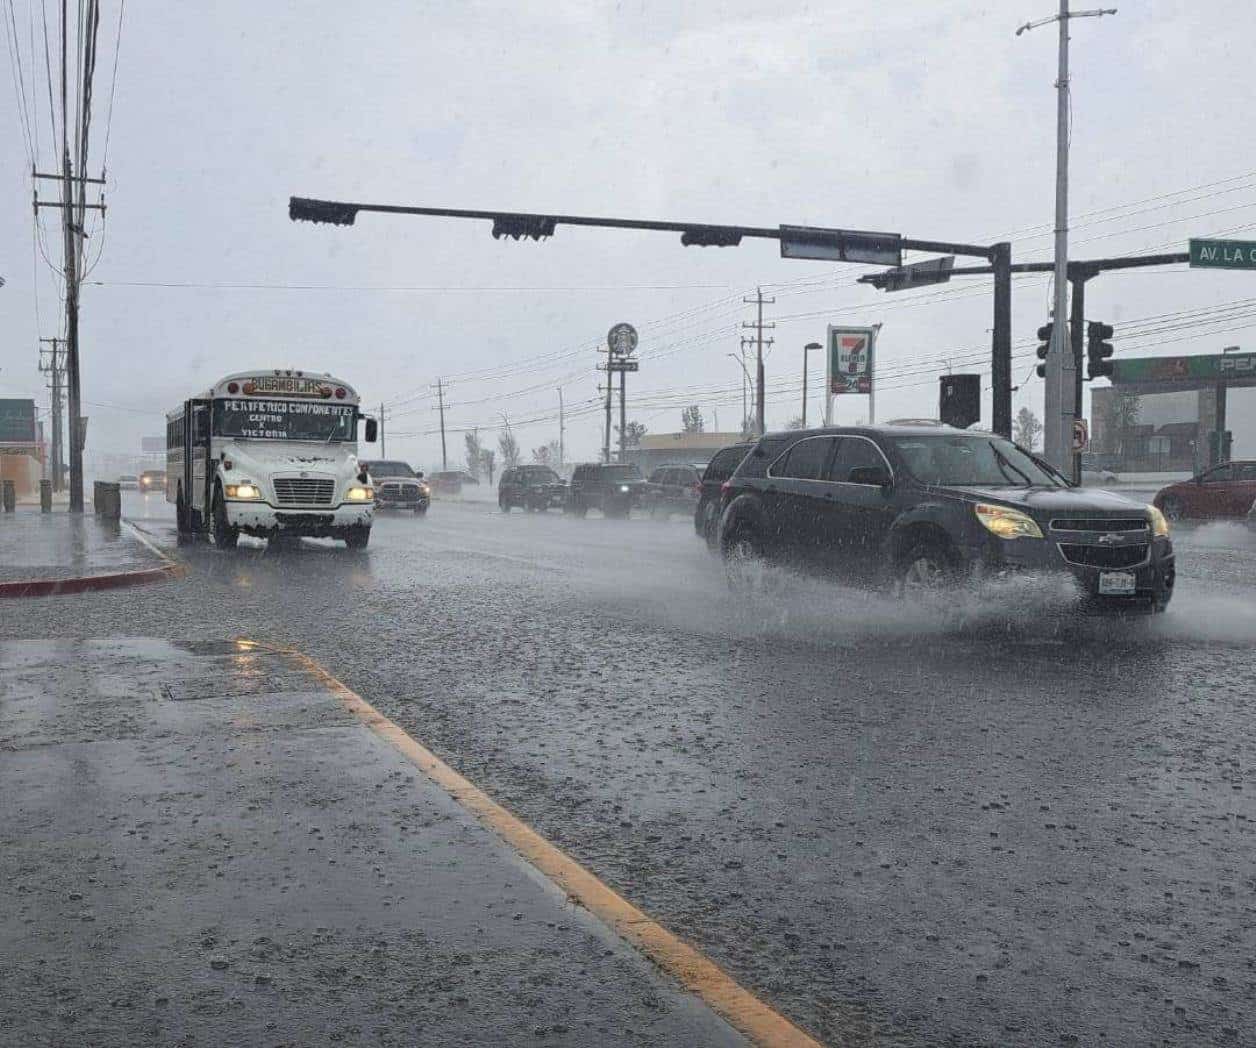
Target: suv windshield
{"x": 389, "y": 469}
{"x": 628, "y": 471}
{"x": 951, "y": 460}
{"x": 537, "y": 475}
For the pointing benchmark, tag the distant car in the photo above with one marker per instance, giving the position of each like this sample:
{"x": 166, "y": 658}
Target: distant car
{"x": 153, "y": 480}
{"x": 706, "y": 515}
{"x": 923, "y": 509}
{"x": 1224, "y": 492}
{"x": 534, "y": 488}
{"x": 673, "y": 489}
{"x": 128, "y": 482}
{"x": 611, "y": 488}
{"x": 470, "y": 478}
{"x": 1099, "y": 477}
{"x": 398, "y": 486}
{"x": 448, "y": 481}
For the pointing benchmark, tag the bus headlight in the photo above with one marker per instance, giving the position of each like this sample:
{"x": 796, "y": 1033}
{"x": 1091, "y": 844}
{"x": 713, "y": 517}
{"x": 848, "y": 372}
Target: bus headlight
{"x": 360, "y": 494}
{"x": 1007, "y": 523}
{"x": 247, "y": 490}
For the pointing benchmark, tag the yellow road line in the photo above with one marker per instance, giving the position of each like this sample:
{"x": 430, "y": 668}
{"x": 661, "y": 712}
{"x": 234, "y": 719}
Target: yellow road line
{"x": 691, "y": 969}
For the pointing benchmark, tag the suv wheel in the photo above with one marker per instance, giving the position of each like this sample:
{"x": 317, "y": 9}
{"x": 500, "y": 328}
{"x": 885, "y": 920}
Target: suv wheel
{"x": 746, "y": 566}
{"x": 927, "y": 566}
{"x": 711, "y": 524}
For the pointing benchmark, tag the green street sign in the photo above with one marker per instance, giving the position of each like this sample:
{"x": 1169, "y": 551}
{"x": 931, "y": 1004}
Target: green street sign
{"x": 1224, "y": 254}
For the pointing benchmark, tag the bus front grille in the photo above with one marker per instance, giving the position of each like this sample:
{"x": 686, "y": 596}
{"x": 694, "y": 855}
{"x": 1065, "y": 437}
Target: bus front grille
{"x": 295, "y": 491}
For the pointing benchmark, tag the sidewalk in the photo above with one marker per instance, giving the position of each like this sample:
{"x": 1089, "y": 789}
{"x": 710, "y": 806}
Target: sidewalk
{"x": 202, "y": 845}
{"x": 69, "y": 552}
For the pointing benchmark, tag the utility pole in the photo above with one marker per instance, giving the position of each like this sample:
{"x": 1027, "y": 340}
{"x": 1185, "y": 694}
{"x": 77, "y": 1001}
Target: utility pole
{"x": 805, "y": 350}
{"x": 610, "y": 389}
{"x": 562, "y": 430}
{"x": 758, "y": 327}
{"x": 623, "y": 414}
{"x": 55, "y": 367}
{"x": 1060, "y": 407}
{"x": 440, "y": 401}
{"x": 383, "y": 445}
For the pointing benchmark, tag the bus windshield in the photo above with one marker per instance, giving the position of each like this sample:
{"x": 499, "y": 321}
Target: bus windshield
{"x": 284, "y": 420}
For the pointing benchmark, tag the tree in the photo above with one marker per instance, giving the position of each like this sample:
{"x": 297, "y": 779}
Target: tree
{"x": 691, "y": 419}
{"x": 796, "y": 423}
{"x": 489, "y": 458}
{"x": 633, "y": 432}
{"x": 1026, "y": 429}
{"x": 475, "y": 453}
{"x": 508, "y": 446}
{"x": 1126, "y": 410}
{"x": 546, "y": 454}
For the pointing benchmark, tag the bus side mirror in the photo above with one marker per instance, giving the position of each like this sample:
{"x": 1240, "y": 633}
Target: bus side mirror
{"x": 372, "y": 430}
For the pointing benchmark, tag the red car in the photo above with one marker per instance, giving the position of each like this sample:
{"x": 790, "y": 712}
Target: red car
{"x": 1224, "y": 491}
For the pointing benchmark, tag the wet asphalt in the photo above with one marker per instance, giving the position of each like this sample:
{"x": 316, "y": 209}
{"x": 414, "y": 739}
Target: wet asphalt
{"x": 898, "y": 825}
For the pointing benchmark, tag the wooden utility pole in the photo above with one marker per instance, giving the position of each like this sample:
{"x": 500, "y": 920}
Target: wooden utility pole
{"x": 55, "y": 368}
{"x": 562, "y": 430}
{"x": 758, "y": 326}
{"x": 383, "y": 444}
{"x": 440, "y": 401}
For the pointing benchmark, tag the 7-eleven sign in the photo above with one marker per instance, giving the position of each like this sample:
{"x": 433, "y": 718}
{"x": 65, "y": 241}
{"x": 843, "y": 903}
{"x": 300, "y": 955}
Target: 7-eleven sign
{"x": 850, "y": 352}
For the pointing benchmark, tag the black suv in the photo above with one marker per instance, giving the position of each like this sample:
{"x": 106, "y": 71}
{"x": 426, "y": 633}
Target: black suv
{"x": 614, "y": 489}
{"x": 534, "y": 488}
{"x": 922, "y": 507}
{"x": 673, "y": 489}
{"x": 706, "y": 515}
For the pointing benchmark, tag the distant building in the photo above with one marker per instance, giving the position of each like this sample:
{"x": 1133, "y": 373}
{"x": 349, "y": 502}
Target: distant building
{"x": 658, "y": 449}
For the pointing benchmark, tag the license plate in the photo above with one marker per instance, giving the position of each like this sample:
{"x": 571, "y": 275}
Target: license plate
{"x": 1116, "y": 583}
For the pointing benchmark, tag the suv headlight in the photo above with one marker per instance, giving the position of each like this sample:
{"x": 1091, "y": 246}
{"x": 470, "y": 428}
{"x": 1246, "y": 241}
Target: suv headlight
{"x": 1159, "y": 523}
{"x": 1007, "y": 523}
{"x": 360, "y": 494}
{"x": 623, "y": 488}
{"x": 244, "y": 490}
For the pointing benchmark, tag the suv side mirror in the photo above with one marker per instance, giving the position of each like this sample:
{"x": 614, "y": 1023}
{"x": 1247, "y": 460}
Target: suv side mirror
{"x": 372, "y": 430}
{"x": 874, "y": 476}
{"x": 418, "y": 474}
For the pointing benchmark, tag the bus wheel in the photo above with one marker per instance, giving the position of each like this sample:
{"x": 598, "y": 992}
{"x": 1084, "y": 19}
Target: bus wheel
{"x": 225, "y": 536}
{"x": 357, "y": 536}
{"x": 182, "y": 524}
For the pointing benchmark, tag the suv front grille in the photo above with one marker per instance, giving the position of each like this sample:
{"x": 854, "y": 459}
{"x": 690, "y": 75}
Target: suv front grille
{"x": 1104, "y": 556}
{"x": 295, "y": 491}
{"x": 1099, "y": 524}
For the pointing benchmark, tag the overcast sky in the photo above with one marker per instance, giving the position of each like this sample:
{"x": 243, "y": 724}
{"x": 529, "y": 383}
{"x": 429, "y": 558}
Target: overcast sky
{"x": 929, "y": 119}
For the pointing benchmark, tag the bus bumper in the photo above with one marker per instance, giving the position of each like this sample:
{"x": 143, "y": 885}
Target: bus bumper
{"x": 263, "y": 521}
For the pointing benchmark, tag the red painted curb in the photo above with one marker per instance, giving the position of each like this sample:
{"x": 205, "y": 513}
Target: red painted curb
{"x": 86, "y": 583}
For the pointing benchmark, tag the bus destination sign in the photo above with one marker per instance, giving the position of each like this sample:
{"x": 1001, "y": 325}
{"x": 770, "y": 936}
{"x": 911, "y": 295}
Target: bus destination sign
{"x": 290, "y": 385}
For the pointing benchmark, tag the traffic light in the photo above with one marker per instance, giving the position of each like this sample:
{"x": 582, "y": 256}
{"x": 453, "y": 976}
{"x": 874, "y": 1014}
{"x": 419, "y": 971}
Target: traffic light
{"x": 537, "y": 227}
{"x": 301, "y": 209}
{"x": 1044, "y": 338}
{"x": 1098, "y": 349}
{"x": 1220, "y": 445}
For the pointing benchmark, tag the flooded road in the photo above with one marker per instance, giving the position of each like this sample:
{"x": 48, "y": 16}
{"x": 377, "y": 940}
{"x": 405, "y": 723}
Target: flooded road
{"x": 895, "y": 824}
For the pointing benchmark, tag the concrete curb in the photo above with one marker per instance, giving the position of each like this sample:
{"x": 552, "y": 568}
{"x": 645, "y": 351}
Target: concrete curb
{"x": 169, "y": 569}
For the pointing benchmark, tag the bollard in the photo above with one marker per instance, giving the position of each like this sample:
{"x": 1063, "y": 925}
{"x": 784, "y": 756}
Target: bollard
{"x": 45, "y": 496}
{"x": 107, "y": 500}
{"x": 10, "y": 496}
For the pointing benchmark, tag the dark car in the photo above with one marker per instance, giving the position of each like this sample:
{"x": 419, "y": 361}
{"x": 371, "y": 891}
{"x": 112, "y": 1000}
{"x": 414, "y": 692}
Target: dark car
{"x": 706, "y": 514}
{"x": 534, "y": 488}
{"x": 613, "y": 489}
{"x": 922, "y": 508}
{"x": 398, "y": 486}
{"x": 1223, "y": 492}
{"x": 448, "y": 481}
{"x": 673, "y": 489}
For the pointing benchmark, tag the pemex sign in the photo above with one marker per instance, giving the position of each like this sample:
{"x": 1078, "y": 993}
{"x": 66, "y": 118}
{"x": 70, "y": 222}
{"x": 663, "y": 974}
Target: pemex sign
{"x": 1223, "y": 254}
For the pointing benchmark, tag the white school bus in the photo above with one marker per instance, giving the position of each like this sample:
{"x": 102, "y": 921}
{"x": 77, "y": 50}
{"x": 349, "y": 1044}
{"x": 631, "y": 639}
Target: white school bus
{"x": 270, "y": 453}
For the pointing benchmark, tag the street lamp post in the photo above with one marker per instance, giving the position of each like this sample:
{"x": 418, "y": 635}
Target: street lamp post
{"x": 805, "y": 350}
